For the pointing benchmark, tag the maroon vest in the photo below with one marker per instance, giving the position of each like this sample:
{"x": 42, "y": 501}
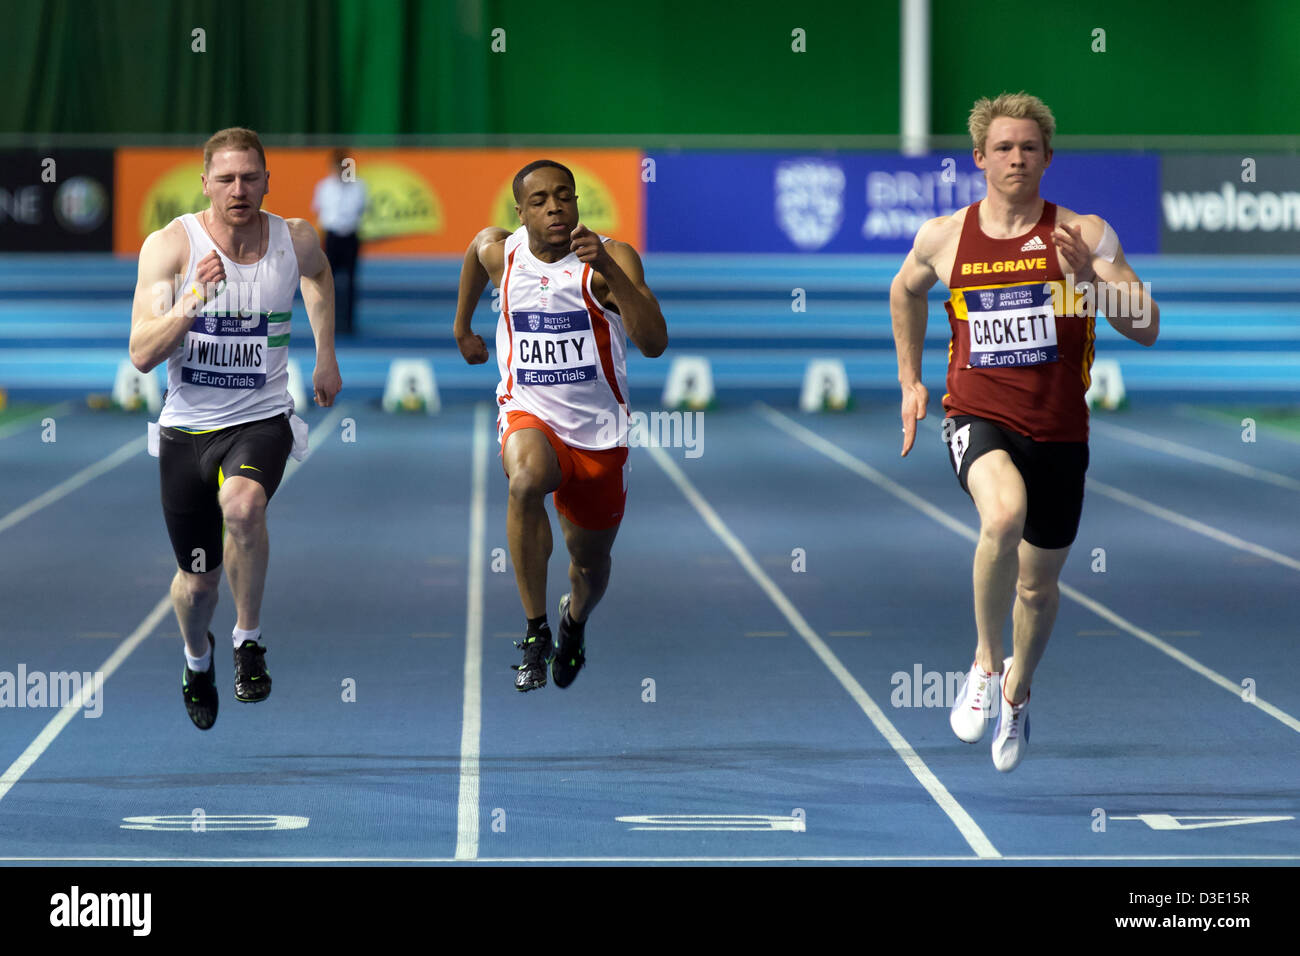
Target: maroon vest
{"x": 1020, "y": 354}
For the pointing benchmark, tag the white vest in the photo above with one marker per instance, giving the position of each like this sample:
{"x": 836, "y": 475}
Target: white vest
{"x": 562, "y": 356}
{"x": 232, "y": 366}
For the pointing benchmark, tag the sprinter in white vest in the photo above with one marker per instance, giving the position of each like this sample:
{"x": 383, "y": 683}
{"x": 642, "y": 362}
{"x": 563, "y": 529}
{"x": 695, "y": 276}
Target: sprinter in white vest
{"x": 213, "y": 300}
{"x": 568, "y": 299}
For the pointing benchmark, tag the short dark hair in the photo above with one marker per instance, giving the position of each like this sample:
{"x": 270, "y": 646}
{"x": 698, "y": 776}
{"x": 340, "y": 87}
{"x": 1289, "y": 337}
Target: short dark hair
{"x": 538, "y": 164}
{"x": 236, "y": 137}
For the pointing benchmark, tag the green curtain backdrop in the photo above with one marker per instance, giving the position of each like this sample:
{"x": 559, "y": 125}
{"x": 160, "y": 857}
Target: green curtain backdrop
{"x": 126, "y": 66}
{"x": 284, "y": 67}
{"x": 426, "y": 67}
{"x": 1171, "y": 67}
{"x": 620, "y": 68}
{"x": 695, "y": 67}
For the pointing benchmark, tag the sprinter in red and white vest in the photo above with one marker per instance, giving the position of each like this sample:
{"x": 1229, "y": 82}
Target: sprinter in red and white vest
{"x": 569, "y": 299}
{"x": 1021, "y": 273}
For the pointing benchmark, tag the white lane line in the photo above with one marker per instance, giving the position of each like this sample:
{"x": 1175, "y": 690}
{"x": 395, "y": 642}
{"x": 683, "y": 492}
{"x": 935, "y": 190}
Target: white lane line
{"x": 73, "y": 707}
{"x": 69, "y": 485}
{"x": 1192, "y": 453}
{"x": 19, "y": 424}
{"x": 1185, "y": 659}
{"x": 1174, "y": 517}
{"x": 988, "y": 861}
{"x": 965, "y": 824}
{"x": 146, "y": 627}
{"x": 834, "y": 452}
{"x": 472, "y": 712}
{"x": 1191, "y": 524}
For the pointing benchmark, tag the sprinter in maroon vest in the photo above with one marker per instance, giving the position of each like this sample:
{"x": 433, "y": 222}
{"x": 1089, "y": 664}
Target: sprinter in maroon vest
{"x": 1024, "y": 277}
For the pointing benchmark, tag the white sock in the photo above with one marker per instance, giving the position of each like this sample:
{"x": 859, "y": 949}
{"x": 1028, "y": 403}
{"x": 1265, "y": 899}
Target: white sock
{"x": 199, "y": 664}
{"x": 240, "y": 636}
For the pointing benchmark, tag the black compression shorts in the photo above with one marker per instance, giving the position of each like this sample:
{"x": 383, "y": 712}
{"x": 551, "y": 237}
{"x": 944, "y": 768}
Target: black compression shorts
{"x": 1052, "y": 471}
{"x": 195, "y": 465}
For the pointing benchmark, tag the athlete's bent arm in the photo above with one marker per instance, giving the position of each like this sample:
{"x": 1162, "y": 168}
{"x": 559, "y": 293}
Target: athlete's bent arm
{"x": 907, "y": 312}
{"x": 1140, "y": 316}
{"x": 160, "y": 319}
{"x": 1093, "y": 252}
{"x": 317, "y": 284}
{"x": 620, "y": 267}
{"x": 474, "y": 277}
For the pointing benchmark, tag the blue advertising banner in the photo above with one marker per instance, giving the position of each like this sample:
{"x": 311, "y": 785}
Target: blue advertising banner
{"x": 868, "y": 202}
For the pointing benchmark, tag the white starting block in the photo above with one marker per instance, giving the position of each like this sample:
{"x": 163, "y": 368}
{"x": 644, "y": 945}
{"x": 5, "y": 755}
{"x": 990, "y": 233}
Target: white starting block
{"x": 411, "y": 387}
{"x": 825, "y": 386}
{"x": 690, "y": 383}
{"x": 134, "y": 389}
{"x": 296, "y": 390}
{"x": 1107, "y": 388}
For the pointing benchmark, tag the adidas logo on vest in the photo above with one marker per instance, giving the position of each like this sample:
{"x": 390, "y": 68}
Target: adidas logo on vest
{"x": 1034, "y": 243}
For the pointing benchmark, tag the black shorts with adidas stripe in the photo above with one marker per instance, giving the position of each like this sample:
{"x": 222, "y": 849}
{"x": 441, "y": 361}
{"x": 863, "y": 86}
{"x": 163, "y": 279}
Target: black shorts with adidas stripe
{"x": 1053, "y": 472}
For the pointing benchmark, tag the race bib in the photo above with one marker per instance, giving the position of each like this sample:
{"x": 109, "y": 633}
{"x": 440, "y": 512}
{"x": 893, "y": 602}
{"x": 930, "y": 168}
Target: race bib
{"x": 226, "y": 351}
{"x": 554, "y": 348}
{"x": 1011, "y": 327}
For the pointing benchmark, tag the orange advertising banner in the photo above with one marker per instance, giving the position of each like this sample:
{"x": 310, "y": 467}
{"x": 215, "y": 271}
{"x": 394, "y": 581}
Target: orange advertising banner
{"x": 419, "y": 201}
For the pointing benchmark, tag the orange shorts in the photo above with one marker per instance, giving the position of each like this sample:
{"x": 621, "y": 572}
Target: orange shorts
{"x": 593, "y": 489}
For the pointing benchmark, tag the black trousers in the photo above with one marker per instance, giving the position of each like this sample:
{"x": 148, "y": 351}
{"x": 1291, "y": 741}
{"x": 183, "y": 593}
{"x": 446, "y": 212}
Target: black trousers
{"x": 341, "y": 250}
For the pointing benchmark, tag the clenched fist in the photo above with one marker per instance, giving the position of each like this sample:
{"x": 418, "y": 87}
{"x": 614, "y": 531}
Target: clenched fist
{"x": 210, "y": 273}
{"x": 473, "y": 348}
{"x": 588, "y": 247}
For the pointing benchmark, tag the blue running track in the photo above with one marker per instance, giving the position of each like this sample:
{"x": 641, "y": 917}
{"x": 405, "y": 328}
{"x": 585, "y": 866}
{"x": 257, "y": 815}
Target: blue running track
{"x": 751, "y": 692}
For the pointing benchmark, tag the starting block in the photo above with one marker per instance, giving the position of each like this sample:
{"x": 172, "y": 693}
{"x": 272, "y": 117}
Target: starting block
{"x": 411, "y": 387}
{"x": 690, "y": 383}
{"x": 297, "y": 392}
{"x": 1107, "y": 388}
{"x": 134, "y": 389}
{"x": 825, "y": 386}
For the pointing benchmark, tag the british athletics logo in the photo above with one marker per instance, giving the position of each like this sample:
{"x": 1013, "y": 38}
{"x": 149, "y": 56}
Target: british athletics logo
{"x": 217, "y": 323}
{"x": 553, "y": 322}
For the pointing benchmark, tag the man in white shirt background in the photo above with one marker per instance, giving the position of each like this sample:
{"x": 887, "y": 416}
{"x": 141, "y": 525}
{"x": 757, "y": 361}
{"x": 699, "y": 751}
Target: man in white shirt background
{"x": 339, "y": 203}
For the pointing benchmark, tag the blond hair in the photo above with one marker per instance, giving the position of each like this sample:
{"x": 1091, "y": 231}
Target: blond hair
{"x": 236, "y": 137}
{"x": 1020, "y": 105}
